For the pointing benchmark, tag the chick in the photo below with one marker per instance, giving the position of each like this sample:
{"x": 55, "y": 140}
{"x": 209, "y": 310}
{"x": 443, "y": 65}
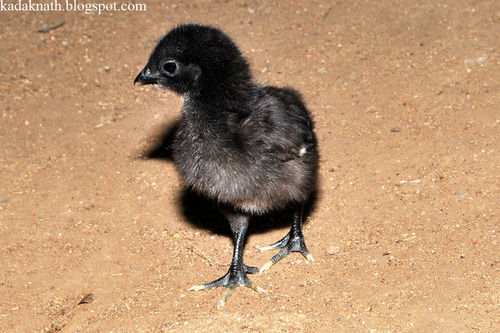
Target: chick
{"x": 251, "y": 149}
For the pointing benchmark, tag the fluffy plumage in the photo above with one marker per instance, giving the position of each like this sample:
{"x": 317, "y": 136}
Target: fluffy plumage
{"x": 251, "y": 149}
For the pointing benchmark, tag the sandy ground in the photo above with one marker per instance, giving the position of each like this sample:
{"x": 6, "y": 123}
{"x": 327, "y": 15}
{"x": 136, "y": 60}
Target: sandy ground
{"x": 97, "y": 234}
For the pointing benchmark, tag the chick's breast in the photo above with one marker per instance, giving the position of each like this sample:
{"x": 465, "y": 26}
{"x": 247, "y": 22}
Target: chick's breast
{"x": 264, "y": 161}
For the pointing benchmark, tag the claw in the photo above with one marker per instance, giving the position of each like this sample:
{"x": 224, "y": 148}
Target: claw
{"x": 197, "y": 287}
{"x": 225, "y": 297}
{"x": 257, "y": 288}
{"x": 278, "y": 245}
{"x": 309, "y": 257}
{"x": 261, "y": 290}
{"x": 264, "y": 248}
{"x": 229, "y": 292}
{"x": 266, "y": 266}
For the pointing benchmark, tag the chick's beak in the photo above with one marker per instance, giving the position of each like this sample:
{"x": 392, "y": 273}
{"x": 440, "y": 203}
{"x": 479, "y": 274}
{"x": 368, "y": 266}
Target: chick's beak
{"x": 146, "y": 76}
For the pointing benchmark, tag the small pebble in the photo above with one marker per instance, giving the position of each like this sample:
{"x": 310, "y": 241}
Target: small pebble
{"x": 87, "y": 299}
{"x": 323, "y": 70}
{"x": 333, "y": 249}
{"x": 460, "y": 193}
{"x": 396, "y": 129}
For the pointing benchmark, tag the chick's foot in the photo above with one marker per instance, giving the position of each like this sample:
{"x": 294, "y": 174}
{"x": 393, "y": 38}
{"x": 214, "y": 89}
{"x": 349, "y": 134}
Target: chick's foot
{"x": 232, "y": 279}
{"x": 286, "y": 245}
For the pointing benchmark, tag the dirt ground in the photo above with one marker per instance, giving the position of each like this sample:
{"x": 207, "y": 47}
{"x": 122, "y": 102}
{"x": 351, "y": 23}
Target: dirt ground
{"x": 98, "y": 235}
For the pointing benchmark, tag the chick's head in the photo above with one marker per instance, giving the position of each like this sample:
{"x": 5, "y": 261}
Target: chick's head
{"x": 194, "y": 58}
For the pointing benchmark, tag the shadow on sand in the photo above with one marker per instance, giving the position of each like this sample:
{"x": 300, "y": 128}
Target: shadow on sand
{"x": 202, "y": 212}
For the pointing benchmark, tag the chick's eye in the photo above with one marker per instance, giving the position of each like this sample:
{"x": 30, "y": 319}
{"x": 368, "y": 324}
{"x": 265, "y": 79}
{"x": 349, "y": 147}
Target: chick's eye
{"x": 170, "y": 67}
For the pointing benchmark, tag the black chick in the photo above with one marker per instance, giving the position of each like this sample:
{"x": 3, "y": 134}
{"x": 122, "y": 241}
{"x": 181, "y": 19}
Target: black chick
{"x": 251, "y": 149}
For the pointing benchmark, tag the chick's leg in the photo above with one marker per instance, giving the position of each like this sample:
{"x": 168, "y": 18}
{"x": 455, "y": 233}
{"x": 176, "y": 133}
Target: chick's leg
{"x": 237, "y": 274}
{"x": 292, "y": 242}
